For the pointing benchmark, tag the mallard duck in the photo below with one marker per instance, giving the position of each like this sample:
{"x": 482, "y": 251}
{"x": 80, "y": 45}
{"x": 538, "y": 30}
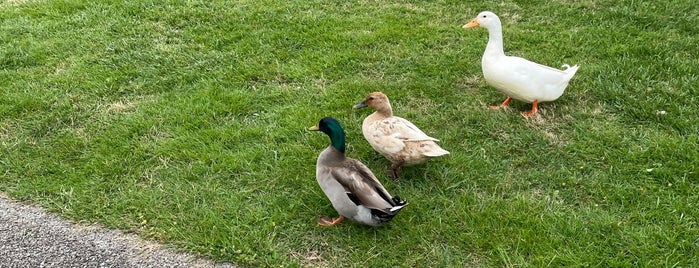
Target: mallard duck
{"x": 396, "y": 138}
{"x": 351, "y": 187}
{"x": 518, "y": 78}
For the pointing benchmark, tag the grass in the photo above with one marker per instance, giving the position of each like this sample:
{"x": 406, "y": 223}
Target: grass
{"x": 183, "y": 121}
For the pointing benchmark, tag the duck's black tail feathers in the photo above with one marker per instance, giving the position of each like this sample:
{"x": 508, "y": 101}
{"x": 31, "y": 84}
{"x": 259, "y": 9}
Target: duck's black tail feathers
{"x": 385, "y": 215}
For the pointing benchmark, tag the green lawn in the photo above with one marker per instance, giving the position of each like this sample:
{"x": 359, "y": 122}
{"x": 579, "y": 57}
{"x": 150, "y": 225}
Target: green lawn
{"x": 184, "y": 121}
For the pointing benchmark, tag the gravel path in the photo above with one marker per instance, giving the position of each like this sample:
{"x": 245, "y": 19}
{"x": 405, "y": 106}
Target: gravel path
{"x": 31, "y": 237}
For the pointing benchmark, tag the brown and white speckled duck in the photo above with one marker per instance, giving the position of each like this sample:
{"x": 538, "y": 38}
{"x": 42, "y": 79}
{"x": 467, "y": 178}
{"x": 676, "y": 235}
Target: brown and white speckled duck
{"x": 396, "y": 138}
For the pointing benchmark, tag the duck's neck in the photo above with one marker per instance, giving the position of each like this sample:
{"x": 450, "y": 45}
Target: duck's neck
{"x": 385, "y": 110}
{"x": 494, "y": 47}
{"x": 337, "y": 140}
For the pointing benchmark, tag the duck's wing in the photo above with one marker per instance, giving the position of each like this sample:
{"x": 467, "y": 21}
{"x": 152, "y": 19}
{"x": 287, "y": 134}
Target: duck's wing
{"x": 523, "y": 71}
{"x": 362, "y": 186}
{"x": 401, "y": 128}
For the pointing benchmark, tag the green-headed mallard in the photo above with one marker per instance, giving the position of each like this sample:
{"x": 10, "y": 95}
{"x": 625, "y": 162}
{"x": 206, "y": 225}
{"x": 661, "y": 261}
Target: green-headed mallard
{"x": 351, "y": 187}
{"x": 396, "y": 138}
{"x": 518, "y": 78}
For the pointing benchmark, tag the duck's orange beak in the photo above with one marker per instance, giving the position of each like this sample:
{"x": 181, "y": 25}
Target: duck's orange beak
{"x": 471, "y": 24}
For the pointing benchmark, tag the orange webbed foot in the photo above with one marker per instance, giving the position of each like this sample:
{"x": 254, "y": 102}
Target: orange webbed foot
{"x": 535, "y": 109}
{"x": 502, "y": 105}
{"x": 327, "y": 222}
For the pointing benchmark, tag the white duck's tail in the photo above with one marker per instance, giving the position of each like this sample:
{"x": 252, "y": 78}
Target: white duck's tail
{"x": 569, "y": 69}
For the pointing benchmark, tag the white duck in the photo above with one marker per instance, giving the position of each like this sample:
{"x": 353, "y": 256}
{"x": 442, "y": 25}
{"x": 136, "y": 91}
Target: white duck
{"x": 518, "y": 78}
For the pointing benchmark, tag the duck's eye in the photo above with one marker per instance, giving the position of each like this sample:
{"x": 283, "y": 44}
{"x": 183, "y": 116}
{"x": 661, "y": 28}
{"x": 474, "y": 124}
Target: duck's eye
{"x": 484, "y": 16}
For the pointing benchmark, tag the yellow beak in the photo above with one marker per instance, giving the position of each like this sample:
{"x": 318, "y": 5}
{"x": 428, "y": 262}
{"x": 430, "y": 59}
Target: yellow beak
{"x": 471, "y": 24}
{"x": 314, "y": 128}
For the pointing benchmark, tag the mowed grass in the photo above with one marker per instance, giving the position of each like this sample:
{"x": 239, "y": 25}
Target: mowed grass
{"x": 184, "y": 121}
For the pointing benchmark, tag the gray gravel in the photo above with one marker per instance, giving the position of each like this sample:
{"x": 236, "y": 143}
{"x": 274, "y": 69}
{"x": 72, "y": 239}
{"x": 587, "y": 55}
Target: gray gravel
{"x": 31, "y": 237}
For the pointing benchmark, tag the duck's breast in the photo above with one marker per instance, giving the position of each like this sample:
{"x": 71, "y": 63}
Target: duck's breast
{"x": 335, "y": 192}
{"x": 382, "y": 137}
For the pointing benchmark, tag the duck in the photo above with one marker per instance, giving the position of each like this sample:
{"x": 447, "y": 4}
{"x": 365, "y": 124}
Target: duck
{"x": 396, "y": 138}
{"x": 517, "y": 77}
{"x": 352, "y": 188}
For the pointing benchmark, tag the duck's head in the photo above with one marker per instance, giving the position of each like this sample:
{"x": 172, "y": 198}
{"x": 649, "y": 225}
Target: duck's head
{"x": 485, "y": 19}
{"x": 333, "y": 129}
{"x": 377, "y": 101}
